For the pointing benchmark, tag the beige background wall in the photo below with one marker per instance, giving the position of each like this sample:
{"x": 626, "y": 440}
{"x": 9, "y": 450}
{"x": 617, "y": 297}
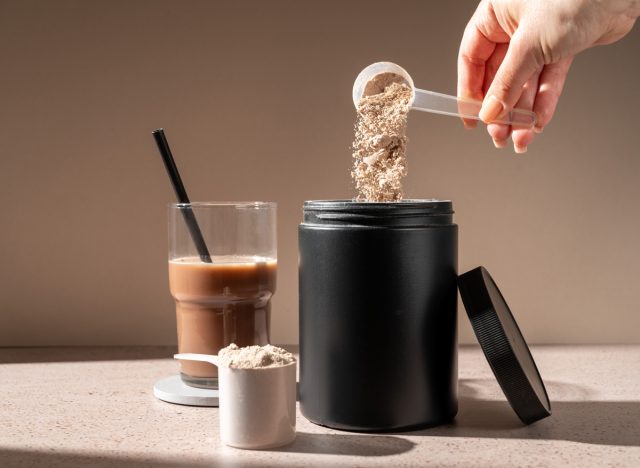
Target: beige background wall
{"x": 255, "y": 97}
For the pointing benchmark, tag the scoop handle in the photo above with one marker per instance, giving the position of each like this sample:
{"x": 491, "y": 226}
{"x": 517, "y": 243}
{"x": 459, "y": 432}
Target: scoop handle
{"x": 438, "y": 103}
{"x": 210, "y": 358}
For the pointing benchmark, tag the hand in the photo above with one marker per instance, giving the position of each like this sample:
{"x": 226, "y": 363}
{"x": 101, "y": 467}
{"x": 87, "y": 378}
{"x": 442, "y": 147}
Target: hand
{"x": 517, "y": 53}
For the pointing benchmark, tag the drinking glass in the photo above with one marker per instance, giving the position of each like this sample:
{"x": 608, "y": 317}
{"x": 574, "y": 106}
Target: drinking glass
{"x": 222, "y": 275}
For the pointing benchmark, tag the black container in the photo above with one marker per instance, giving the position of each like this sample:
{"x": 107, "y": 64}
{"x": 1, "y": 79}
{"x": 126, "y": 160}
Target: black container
{"x": 378, "y": 300}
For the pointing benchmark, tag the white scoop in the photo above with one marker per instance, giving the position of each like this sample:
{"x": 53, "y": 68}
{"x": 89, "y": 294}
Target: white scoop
{"x": 257, "y": 406}
{"x": 438, "y": 103}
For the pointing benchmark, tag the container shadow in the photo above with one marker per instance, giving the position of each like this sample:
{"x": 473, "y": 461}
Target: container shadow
{"x": 348, "y": 444}
{"x": 592, "y": 422}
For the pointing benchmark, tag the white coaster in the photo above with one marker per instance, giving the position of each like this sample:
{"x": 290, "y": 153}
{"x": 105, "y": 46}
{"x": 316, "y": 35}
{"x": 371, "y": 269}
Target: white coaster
{"x": 174, "y": 390}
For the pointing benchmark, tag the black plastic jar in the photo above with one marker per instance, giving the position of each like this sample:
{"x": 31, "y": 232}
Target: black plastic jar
{"x": 378, "y": 301}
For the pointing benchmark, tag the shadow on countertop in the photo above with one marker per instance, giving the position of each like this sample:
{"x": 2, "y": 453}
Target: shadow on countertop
{"x": 331, "y": 444}
{"x": 33, "y": 458}
{"x": 344, "y": 443}
{"x": 591, "y": 422}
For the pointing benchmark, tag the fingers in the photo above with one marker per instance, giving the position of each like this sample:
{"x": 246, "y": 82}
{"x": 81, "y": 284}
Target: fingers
{"x": 475, "y": 50}
{"x": 505, "y": 72}
{"x": 498, "y": 132}
{"x": 520, "y": 63}
{"x": 540, "y": 94}
{"x": 522, "y": 137}
{"x": 493, "y": 64}
{"x": 552, "y": 81}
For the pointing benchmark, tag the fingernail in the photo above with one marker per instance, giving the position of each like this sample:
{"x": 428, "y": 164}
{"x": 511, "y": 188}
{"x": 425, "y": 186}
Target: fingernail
{"x": 491, "y": 109}
{"x": 469, "y": 125}
{"x": 500, "y": 143}
{"x": 537, "y": 129}
{"x": 520, "y": 149}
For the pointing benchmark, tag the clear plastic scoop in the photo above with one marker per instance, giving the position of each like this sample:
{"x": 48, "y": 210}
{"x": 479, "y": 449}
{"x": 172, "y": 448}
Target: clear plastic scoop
{"x": 438, "y": 103}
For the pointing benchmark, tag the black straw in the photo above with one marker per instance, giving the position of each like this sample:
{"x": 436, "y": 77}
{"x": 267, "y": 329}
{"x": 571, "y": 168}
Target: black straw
{"x": 181, "y": 193}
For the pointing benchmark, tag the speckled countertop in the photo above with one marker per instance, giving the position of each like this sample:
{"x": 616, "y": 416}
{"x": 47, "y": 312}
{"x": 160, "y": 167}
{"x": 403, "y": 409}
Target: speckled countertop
{"x": 95, "y": 407}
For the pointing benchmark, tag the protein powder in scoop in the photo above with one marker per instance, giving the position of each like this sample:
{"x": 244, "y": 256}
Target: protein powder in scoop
{"x": 254, "y": 357}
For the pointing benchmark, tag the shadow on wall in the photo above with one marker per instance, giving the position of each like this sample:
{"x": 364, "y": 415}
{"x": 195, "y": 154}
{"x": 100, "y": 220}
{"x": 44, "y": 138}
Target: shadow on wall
{"x": 591, "y": 422}
{"x": 91, "y": 353}
{"x": 81, "y": 353}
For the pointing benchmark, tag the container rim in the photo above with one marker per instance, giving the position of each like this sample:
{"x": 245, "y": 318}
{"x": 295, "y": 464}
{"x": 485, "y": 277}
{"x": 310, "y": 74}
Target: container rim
{"x": 232, "y": 204}
{"x": 408, "y": 203}
{"x": 404, "y": 212}
{"x": 428, "y": 205}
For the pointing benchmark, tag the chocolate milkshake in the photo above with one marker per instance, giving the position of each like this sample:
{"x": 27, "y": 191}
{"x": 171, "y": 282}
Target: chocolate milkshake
{"x": 219, "y": 303}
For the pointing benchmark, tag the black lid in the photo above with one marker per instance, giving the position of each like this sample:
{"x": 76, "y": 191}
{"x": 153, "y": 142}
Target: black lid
{"x": 504, "y": 346}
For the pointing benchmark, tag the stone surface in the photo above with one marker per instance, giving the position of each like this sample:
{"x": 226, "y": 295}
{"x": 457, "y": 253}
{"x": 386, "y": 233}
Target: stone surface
{"x": 95, "y": 407}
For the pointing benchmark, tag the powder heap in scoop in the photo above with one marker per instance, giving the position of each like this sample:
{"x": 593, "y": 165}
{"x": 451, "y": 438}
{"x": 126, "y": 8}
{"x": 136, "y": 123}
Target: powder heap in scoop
{"x": 254, "y": 357}
{"x": 379, "y": 161}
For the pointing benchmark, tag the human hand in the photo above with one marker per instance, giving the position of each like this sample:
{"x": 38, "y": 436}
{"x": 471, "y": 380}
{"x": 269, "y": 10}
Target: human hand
{"x": 517, "y": 53}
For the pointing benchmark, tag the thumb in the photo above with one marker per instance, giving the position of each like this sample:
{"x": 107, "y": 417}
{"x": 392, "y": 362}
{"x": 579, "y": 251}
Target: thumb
{"x": 521, "y": 62}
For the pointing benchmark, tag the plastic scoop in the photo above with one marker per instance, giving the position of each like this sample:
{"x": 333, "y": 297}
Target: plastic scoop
{"x": 257, "y": 406}
{"x": 437, "y": 103}
{"x": 210, "y": 358}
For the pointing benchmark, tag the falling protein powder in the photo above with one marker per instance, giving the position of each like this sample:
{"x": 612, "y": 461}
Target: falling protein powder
{"x": 379, "y": 161}
{"x": 254, "y": 357}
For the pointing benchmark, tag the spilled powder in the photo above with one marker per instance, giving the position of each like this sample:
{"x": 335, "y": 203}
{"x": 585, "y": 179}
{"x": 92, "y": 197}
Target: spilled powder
{"x": 379, "y": 161}
{"x": 254, "y": 357}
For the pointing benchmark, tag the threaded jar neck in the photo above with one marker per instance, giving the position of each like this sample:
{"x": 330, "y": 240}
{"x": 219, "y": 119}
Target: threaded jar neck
{"x": 405, "y": 213}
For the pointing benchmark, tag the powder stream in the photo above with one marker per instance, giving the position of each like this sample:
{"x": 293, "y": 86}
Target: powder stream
{"x": 379, "y": 160}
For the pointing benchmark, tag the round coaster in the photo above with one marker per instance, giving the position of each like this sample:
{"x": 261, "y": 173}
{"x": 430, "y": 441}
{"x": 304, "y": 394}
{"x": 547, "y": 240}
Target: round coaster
{"x": 174, "y": 390}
